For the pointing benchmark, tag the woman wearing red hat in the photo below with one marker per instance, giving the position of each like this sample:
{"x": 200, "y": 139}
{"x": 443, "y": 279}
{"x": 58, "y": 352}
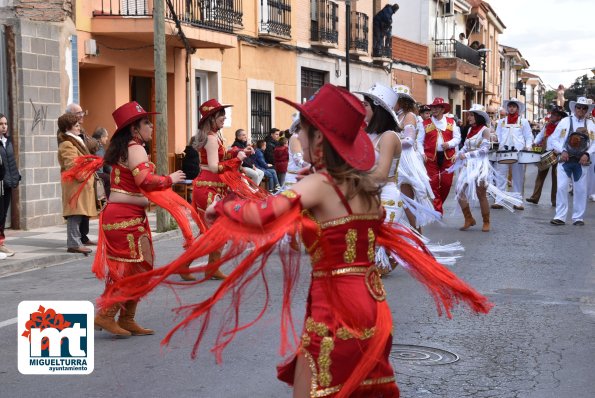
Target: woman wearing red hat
{"x": 125, "y": 247}
{"x": 219, "y": 168}
{"x": 347, "y": 336}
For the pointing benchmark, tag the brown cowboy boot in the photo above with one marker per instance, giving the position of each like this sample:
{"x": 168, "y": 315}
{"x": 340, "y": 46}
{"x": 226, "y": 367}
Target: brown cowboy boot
{"x": 486, "y": 222}
{"x": 217, "y": 274}
{"x": 126, "y": 320}
{"x": 105, "y": 320}
{"x": 469, "y": 220}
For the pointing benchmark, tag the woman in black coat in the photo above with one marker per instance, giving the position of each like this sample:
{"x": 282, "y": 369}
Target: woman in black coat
{"x": 10, "y": 178}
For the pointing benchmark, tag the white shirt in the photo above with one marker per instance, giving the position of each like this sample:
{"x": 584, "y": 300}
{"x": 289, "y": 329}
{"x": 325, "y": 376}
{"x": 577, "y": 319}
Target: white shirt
{"x": 440, "y": 125}
{"x": 3, "y": 139}
{"x": 516, "y": 135}
{"x": 558, "y": 137}
{"x": 79, "y": 139}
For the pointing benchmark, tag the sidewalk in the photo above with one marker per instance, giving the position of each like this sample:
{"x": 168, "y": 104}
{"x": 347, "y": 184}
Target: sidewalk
{"x": 44, "y": 247}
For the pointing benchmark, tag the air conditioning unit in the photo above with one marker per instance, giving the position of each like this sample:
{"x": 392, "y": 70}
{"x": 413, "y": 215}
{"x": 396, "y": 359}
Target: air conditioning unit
{"x": 90, "y": 47}
{"x": 448, "y": 9}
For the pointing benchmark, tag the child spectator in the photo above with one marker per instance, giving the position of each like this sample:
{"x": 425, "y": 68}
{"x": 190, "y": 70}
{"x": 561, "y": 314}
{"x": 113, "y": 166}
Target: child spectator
{"x": 269, "y": 171}
{"x": 281, "y": 155}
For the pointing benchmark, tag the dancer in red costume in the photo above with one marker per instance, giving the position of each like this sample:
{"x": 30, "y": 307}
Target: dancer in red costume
{"x": 439, "y": 136}
{"x": 347, "y": 336}
{"x": 219, "y": 169}
{"x": 125, "y": 247}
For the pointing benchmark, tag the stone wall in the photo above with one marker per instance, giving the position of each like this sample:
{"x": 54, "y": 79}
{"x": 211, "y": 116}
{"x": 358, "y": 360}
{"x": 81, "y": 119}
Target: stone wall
{"x": 38, "y": 105}
{"x": 43, "y": 10}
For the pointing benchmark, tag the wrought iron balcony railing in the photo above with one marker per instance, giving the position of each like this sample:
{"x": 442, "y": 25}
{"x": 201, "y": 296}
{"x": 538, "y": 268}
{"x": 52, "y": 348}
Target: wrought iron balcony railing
{"x": 324, "y": 22}
{"x": 275, "y": 18}
{"x": 222, "y": 15}
{"x": 359, "y": 31}
{"x": 451, "y": 48}
{"x": 384, "y": 49}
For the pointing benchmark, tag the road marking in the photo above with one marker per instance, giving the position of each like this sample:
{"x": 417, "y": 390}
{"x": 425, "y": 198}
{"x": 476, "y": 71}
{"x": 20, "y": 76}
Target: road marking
{"x": 8, "y": 322}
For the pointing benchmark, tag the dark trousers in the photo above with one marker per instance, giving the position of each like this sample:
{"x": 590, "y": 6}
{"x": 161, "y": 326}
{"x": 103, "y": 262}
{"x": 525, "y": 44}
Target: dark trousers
{"x": 4, "y": 205}
{"x": 540, "y": 179}
{"x": 440, "y": 180}
{"x": 84, "y": 229}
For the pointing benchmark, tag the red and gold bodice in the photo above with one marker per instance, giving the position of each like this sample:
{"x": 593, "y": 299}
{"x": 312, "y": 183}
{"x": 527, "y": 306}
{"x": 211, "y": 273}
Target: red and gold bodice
{"x": 122, "y": 180}
{"x": 204, "y": 157}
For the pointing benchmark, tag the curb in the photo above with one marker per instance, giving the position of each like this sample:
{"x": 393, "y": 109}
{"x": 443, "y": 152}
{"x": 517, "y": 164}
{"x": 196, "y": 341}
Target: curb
{"x": 15, "y": 266}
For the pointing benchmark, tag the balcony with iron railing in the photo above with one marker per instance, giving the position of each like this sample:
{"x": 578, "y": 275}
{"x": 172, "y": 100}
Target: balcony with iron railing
{"x": 323, "y": 29}
{"x": 359, "y": 33}
{"x": 382, "y": 50}
{"x": 219, "y": 15}
{"x": 455, "y": 63}
{"x": 275, "y": 20}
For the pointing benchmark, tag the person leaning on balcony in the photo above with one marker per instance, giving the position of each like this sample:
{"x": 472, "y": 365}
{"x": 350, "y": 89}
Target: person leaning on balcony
{"x": 9, "y": 181}
{"x": 382, "y": 25}
{"x": 70, "y": 146}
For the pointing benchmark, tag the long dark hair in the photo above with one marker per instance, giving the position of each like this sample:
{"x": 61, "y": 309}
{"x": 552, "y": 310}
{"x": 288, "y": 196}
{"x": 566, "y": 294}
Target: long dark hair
{"x": 357, "y": 181}
{"x": 381, "y": 120}
{"x": 406, "y": 104}
{"x": 117, "y": 150}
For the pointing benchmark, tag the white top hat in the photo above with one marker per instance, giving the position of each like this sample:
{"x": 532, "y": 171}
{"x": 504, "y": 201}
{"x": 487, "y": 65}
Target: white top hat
{"x": 582, "y": 101}
{"x": 403, "y": 91}
{"x": 382, "y": 96}
{"x": 480, "y": 110}
{"x": 514, "y": 101}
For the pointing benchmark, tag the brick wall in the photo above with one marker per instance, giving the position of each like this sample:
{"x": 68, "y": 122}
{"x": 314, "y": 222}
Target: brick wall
{"x": 43, "y": 10}
{"x": 409, "y": 51}
{"x": 38, "y": 105}
{"x": 415, "y": 81}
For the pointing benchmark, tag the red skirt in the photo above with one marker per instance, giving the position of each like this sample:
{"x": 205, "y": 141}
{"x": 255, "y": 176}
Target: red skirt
{"x": 204, "y": 189}
{"x": 332, "y": 351}
{"x": 122, "y": 226}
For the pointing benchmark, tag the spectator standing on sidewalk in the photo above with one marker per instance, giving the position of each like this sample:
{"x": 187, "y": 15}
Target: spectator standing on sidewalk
{"x": 92, "y": 145}
{"x": 70, "y": 146}
{"x": 10, "y": 179}
{"x": 281, "y": 156}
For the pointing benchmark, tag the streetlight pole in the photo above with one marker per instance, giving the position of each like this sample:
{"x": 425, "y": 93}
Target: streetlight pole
{"x": 347, "y": 40}
{"x": 483, "y": 53}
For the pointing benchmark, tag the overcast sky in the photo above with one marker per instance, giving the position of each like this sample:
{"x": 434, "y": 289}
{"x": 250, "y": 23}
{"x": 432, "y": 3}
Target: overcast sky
{"x": 553, "y": 35}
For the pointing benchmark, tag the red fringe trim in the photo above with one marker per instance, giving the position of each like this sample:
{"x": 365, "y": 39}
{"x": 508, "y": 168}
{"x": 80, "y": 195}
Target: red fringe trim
{"x": 83, "y": 169}
{"x": 443, "y": 285}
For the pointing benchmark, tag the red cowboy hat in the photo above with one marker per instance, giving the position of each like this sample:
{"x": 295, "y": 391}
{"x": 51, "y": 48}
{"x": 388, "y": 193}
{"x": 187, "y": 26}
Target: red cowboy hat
{"x": 129, "y": 113}
{"x": 339, "y": 115}
{"x": 208, "y": 108}
{"x": 440, "y": 102}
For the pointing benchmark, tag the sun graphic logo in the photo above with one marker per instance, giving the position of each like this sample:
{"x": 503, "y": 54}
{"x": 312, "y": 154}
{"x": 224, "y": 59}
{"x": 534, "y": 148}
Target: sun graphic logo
{"x": 55, "y": 337}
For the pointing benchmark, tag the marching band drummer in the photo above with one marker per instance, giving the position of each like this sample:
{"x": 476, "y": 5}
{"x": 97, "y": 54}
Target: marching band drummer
{"x": 574, "y": 140}
{"x": 514, "y": 132}
{"x": 541, "y": 139}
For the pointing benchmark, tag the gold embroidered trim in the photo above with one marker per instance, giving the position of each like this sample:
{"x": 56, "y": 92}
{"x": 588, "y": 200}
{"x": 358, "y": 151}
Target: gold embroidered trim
{"x": 341, "y": 271}
{"x": 345, "y": 334}
{"x": 126, "y": 192}
{"x": 346, "y": 219}
{"x": 123, "y": 224}
{"x": 324, "y": 361}
{"x": 209, "y": 198}
{"x": 388, "y": 202}
{"x": 126, "y": 260}
{"x": 289, "y": 194}
{"x": 131, "y": 246}
{"x": 371, "y": 245}
{"x": 316, "y": 327}
{"x": 117, "y": 178}
{"x": 316, "y": 256}
{"x": 368, "y": 382}
{"x": 306, "y": 340}
{"x": 210, "y": 184}
{"x": 374, "y": 284}
{"x": 350, "y": 241}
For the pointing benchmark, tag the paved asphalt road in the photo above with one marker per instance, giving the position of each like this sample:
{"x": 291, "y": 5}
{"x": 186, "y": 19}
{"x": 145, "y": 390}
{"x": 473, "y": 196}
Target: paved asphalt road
{"x": 539, "y": 341}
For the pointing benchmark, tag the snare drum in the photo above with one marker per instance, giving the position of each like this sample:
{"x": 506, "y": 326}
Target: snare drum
{"x": 527, "y": 157}
{"x": 492, "y": 156}
{"x": 547, "y": 159}
{"x": 507, "y": 157}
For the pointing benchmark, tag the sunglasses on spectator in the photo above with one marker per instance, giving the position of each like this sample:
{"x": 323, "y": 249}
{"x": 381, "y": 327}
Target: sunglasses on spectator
{"x": 581, "y": 107}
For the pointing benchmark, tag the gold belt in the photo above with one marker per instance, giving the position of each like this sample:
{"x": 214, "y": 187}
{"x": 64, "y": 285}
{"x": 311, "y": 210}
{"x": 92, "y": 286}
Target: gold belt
{"x": 371, "y": 278}
{"x": 341, "y": 271}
